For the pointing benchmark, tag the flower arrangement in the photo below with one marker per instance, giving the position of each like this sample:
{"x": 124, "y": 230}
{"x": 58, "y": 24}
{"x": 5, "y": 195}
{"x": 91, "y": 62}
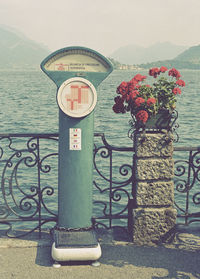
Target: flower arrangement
{"x": 143, "y": 100}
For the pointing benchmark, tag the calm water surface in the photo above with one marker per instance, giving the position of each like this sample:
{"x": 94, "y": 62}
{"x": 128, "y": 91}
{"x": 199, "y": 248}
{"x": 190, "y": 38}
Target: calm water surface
{"x": 28, "y": 104}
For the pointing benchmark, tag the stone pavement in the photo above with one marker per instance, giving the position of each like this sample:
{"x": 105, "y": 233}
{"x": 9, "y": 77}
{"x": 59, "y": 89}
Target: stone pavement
{"x": 31, "y": 258}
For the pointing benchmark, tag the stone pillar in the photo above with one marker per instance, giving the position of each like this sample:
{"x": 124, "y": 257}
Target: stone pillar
{"x": 153, "y": 216}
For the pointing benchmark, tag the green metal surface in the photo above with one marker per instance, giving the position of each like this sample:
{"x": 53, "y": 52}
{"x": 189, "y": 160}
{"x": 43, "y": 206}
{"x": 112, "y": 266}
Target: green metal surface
{"x": 75, "y": 171}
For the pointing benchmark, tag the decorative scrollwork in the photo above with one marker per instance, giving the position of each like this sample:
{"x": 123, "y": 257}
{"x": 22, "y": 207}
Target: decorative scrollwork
{"x": 186, "y": 172}
{"x": 29, "y": 205}
{"x": 195, "y": 159}
{"x": 4, "y": 212}
{"x": 124, "y": 169}
{"x": 45, "y": 168}
{"x": 174, "y": 125}
{"x": 22, "y": 195}
{"x": 196, "y": 198}
{"x": 32, "y": 145}
{"x": 187, "y": 183}
{"x": 164, "y": 121}
{"x": 119, "y": 195}
{"x": 104, "y": 153}
{"x": 114, "y": 186}
{"x": 98, "y": 224}
{"x": 47, "y": 191}
{"x": 181, "y": 186}
{"x": 105, "y": 209}
{"x": 180, "y": 169}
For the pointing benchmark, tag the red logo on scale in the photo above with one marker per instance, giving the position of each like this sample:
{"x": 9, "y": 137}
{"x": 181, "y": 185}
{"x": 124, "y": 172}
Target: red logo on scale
{"x": 61, "y": 67}
{"x": 78, "y": 96}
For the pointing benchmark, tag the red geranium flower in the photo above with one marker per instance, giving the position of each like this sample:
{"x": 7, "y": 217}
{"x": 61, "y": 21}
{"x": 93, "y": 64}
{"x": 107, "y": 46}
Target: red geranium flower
{"x": 118, "y": 99}
{"x": 154, "y": 72}
{"x": 134, "y": 81}
{"x": 139, "y": 77}
{"x": 163, "y": 69}
{"x": 180, "y": 82}
{"x": 119, "y": 107}
{"x": 132, "y": 85}
{"x": 122, "y": 88}
{"x": 151, "y": 101}
{"x": 176, "y": 91}
{"x": 144, "y": 100}
{"x": 139, "y": 101}
{"x": 142, "y": 116}
{"x": 174, "y": 73}
{"x": 133, "y": 94}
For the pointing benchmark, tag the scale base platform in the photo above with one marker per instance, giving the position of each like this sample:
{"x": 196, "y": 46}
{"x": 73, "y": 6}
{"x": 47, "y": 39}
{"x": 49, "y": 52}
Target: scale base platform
{"x": 75, "y": 246}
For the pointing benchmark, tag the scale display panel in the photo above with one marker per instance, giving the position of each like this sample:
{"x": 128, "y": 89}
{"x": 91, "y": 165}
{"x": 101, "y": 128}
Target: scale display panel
{"x": 73, "y": 60}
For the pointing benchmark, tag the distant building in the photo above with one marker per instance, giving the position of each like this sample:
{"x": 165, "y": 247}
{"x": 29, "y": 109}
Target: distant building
{"x": 128, "y": 67}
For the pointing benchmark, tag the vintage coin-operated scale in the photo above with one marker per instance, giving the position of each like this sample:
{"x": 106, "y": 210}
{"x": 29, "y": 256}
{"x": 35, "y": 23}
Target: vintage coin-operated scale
{"x": 77, "y": 71}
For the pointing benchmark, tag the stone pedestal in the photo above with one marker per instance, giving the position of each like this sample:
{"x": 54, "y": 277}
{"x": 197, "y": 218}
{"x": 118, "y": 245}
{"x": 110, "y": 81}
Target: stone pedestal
{"x": 153, "y": 215}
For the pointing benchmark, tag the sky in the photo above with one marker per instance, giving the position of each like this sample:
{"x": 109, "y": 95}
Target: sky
{"x": 104, "y": 25}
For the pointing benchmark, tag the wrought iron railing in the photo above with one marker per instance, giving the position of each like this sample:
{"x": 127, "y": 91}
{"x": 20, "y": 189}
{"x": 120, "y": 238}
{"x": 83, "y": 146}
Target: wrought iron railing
{"x": 27, "y": 191}
{"x": 113, "y": 183}
{"x": 187, "y": 184}
{"x": 28, "y": 196}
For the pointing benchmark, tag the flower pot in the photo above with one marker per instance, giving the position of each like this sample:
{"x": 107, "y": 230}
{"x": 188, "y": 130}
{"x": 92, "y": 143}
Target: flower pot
{"x": 161, "y": 120}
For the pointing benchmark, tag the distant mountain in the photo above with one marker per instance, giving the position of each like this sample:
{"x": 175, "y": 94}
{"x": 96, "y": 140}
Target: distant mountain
{"x": 17, "y": 51}
{"x": 131, "y": 54}
{"x": 134, "y": 54}
{"x": 189, "y": 59}
{"x": 192, "y": 55}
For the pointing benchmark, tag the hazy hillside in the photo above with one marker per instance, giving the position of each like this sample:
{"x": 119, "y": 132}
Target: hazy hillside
{"x": 189, "y": 59}
{"x": 18, "y": 51}
{"x": 133, "y": 54}
{"x": 192, "y": 55}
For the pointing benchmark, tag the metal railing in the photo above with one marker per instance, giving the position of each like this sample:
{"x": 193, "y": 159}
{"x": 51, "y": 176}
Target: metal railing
{"x": 113, "y": 179}
{"x": 187, "y": 184}
{"x": 28, "y": 196}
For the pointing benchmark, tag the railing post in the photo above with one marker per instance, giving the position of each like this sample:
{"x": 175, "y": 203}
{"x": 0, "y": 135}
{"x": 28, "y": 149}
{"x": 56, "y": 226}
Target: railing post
{"x": 39, "y": 186}
{"x": 154, "y": 215}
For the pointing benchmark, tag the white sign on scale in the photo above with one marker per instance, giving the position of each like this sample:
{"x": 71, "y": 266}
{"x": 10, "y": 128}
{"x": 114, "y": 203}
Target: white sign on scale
{"x": 74, "y": 139}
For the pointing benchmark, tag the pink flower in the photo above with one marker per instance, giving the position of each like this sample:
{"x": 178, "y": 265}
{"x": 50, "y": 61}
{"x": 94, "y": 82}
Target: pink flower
{"x": 142, "y": 116}
{"x": 180, "y": 82}
{"x": 176, "y": 91}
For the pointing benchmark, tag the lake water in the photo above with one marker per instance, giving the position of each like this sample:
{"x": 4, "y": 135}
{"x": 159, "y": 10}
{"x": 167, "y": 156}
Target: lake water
{"x": 28, "y": 105}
